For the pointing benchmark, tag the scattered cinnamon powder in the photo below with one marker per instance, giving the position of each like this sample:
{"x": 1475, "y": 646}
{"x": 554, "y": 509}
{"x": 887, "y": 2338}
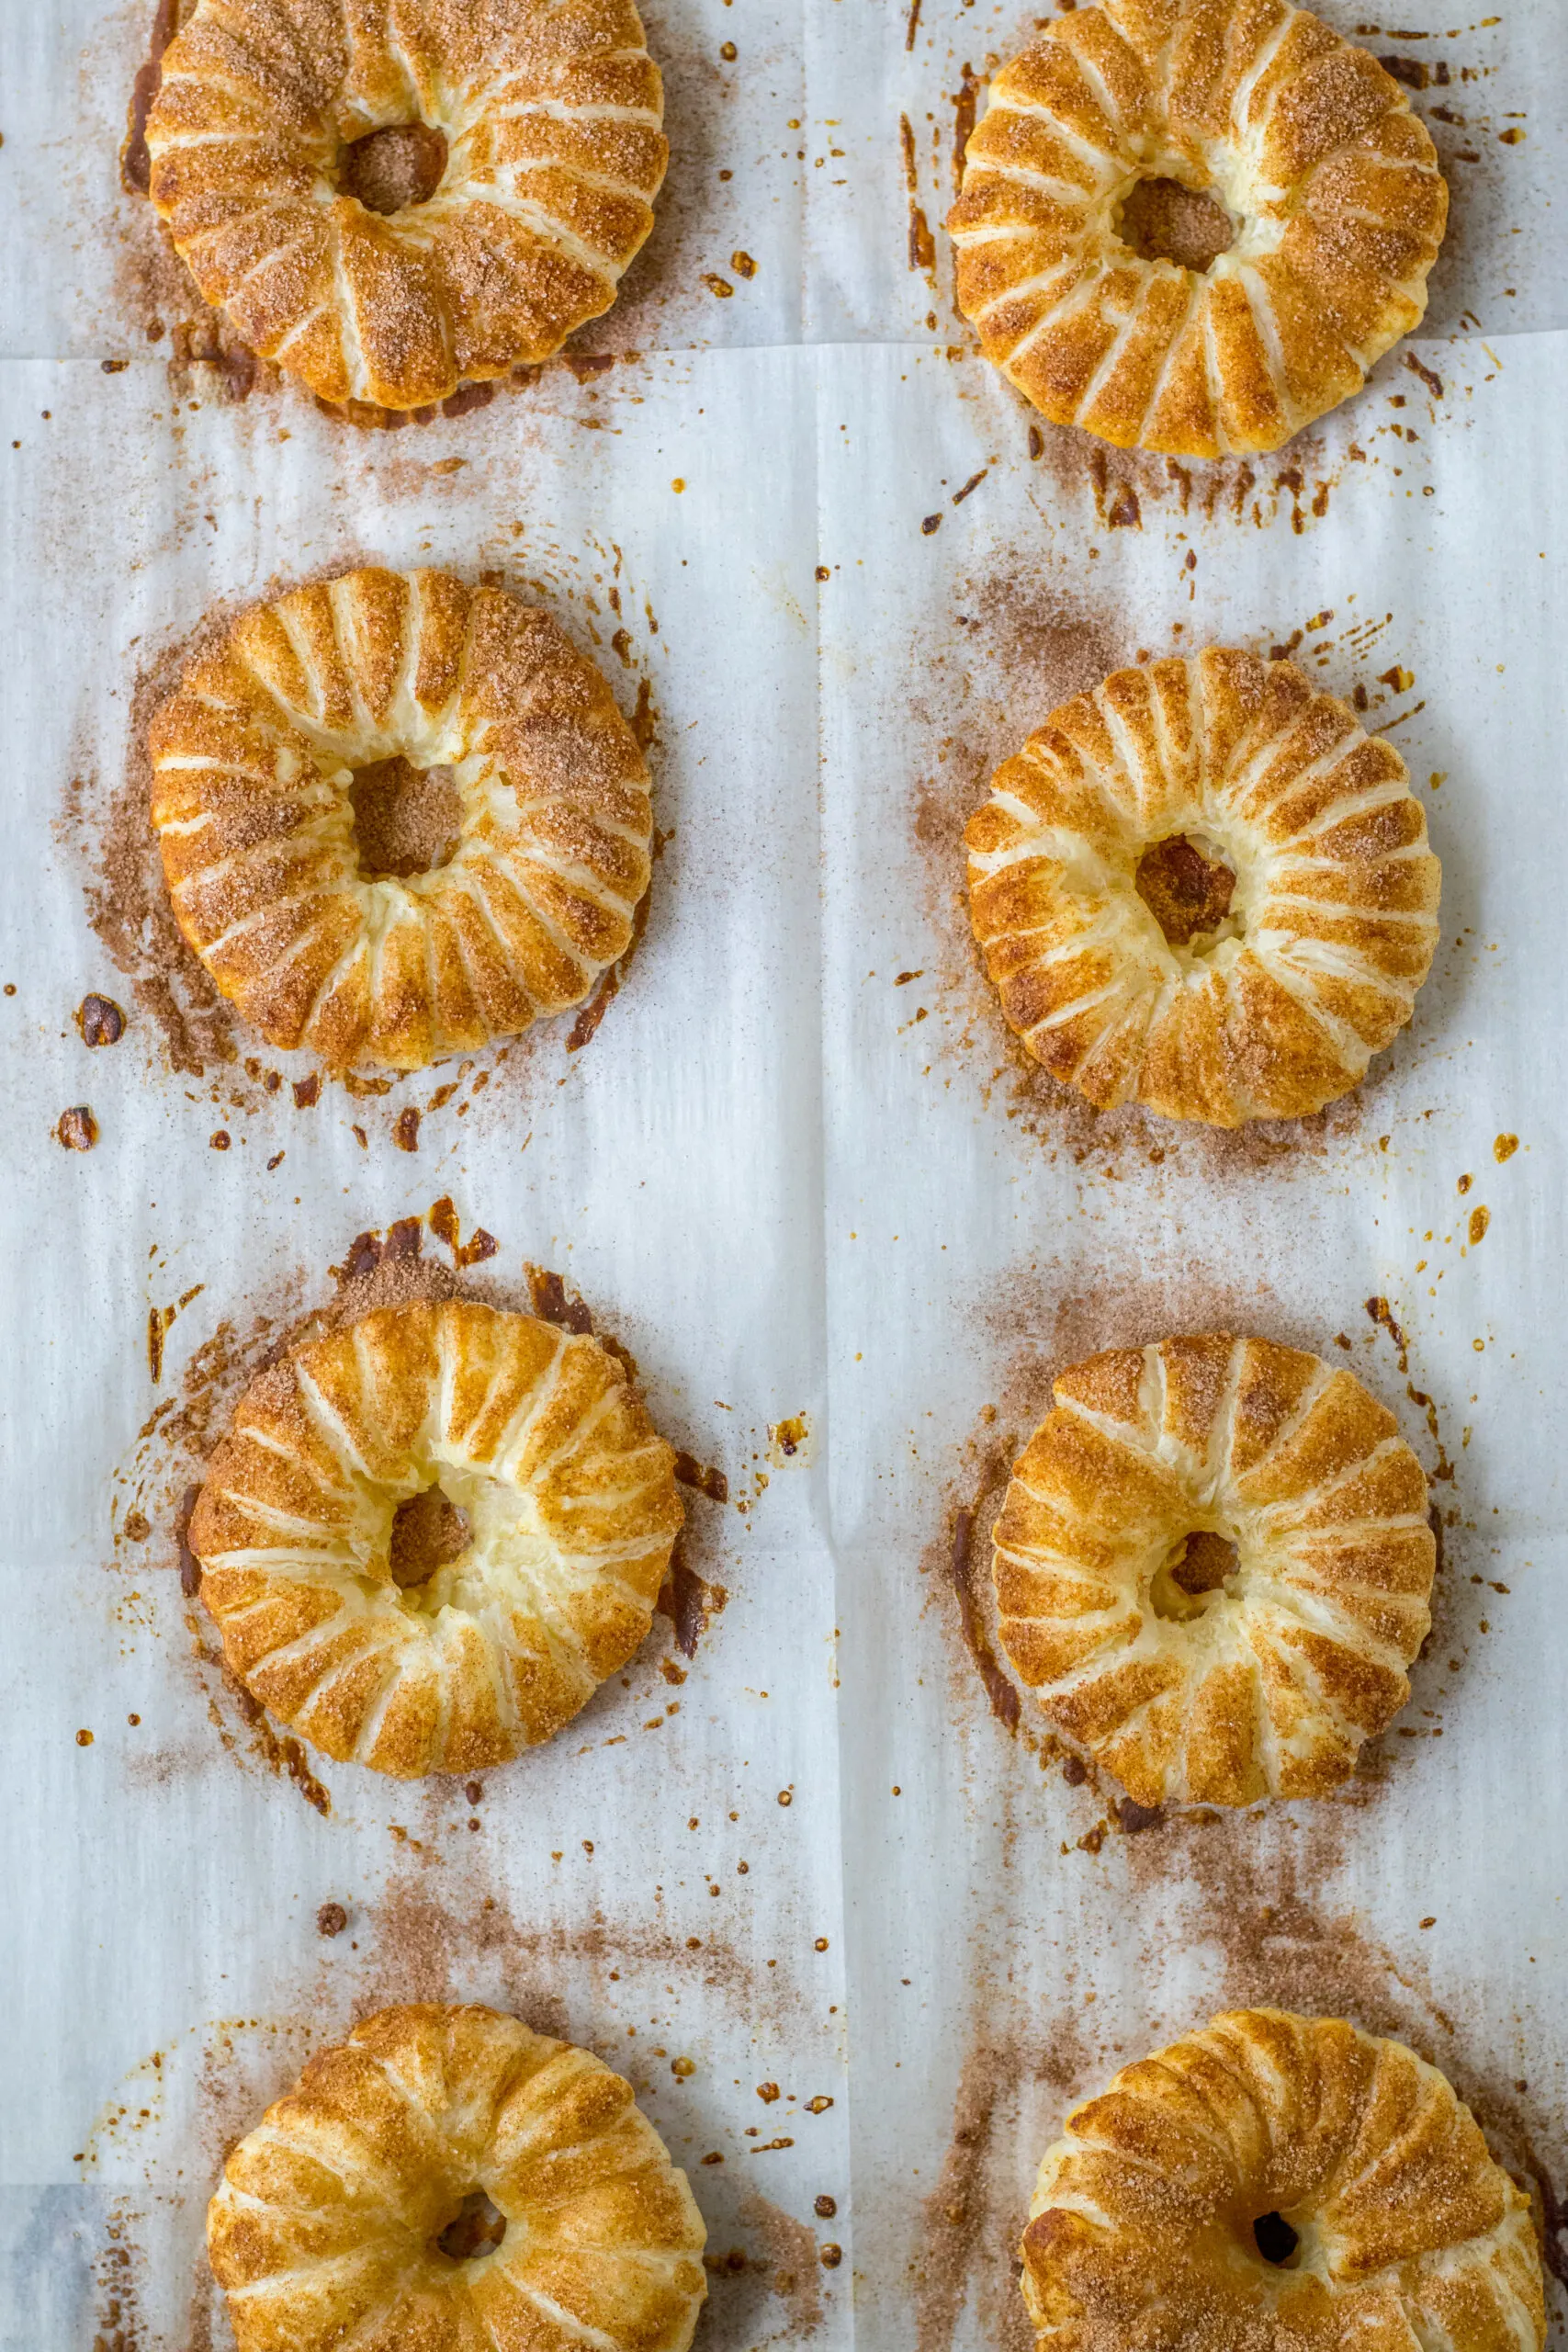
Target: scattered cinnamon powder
{"x": 128, "y": 904}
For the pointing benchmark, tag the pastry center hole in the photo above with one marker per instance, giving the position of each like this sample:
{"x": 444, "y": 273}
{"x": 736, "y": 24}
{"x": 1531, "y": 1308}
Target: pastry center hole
{"x": 394, "y": 169}
{"x": 477, "y": 2227}
{"x": 1202, "y": 1564}
{"x": 429, "y": 1533}
{"x": 1161, "y": 220}
{"x": 1186, "y": 892}
{"x": 1276, "y": 2241}
{"x": 406, "y": 820}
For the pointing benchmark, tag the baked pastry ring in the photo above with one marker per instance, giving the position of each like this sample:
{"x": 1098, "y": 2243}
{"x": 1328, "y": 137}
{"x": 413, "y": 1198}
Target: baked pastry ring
{"x": 1203, "y": 888}
{"x": 534, "y": 128}
{"x": 1325, "y": 189}
{"x": 523, "y": 891}
{"x": 1213, "y": 1566}
{"x": 1275, "y": 2182}
{"x": 327, "y": 2225}
{"x": 430, "y": 1534}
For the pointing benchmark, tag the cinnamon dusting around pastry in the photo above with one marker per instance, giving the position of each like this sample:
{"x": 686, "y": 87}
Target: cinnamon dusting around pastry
{"x": 1017, "y": 645}
{"x": 406, "y": 822}
{"x": 1026, "y": 1330}
{"x": 158, "y": 1487}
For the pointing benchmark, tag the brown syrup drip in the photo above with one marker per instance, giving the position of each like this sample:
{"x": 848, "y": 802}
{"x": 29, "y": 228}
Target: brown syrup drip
{"x": 135, "y": 163}
{"x": 689, "y": 1602}
{"x": 692, "y": 1473}
{"x": 547, "y": 1295}
{"x": 585, "y": 1026}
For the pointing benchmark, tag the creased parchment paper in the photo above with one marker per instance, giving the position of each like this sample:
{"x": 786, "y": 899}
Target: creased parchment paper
{"x": 800, "y": 1173}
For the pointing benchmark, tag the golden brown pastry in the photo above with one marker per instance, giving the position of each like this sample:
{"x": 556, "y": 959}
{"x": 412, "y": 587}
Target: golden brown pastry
{"x": 1194, "y": 225}
{"x": 1203, "y": 888}
{"x": 328, "y": 2227}
{"x": 283, "y": 770}
{"x": 1213, "y": 1566}
{"x": 1278, "y": 2183}
{"x": 389, "y": 202}
{"x": 429, "y": 1535}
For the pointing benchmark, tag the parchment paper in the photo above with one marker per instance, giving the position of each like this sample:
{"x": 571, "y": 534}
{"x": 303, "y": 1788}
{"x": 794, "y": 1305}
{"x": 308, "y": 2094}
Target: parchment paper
{"x": 800, "y": 1173}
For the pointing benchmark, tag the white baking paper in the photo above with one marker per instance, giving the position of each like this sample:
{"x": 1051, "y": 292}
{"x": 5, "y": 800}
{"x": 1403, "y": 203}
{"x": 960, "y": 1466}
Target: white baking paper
{"x": 800, "y": 1172}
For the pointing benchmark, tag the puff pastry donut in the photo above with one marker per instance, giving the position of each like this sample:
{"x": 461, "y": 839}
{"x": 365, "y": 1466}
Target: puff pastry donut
{"x": 1325, "y": 205}
{"x": 1212, "y": 1565}
{"x": 390, "y": 201}
{"x": 1277, "y": 2183}
{"x": 430, "y": 1534}
{"x": 345, "y": 2217}
{"x": 1202, "y": 888}
{"x": 271, "y": 758}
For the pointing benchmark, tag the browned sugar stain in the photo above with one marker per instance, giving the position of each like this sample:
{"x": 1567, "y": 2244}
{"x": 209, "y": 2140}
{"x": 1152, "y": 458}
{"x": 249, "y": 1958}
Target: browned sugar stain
{"x": 688, "y": 1601}
{"x": 100, "y": 1021}
{"x": 965, "y": 102}
{"x": 77, "y": 1129}
{"x": 444, "y": 1224}
{"x": 964, "y": 1566}
{"x": 135, "y": 165}
{"x": 922, "y": 244}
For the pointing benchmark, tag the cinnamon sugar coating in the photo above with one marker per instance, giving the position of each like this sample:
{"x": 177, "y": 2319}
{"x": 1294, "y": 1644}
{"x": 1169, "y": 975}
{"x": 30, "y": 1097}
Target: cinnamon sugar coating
{"x": 328, "y": 2225}
{"x": 1212, "y": 1565}
{"x": 1263, "y": 1000}
{"x": 254, "y": 759}
{"x": 1331, "y": 181}
{"x": 551, "y": 120}
{"x": 415, "y": 1639}
{"x": 1143, "y": 2233}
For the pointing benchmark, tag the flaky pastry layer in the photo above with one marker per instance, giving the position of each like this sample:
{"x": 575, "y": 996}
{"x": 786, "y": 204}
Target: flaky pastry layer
{"x": 534, "y": 1435}
{"x": 1330, "y": 929}
{"x": 1330, "y": 180}
{"x": 552, "y": 119}
{"x": 1263, "y": 1683}
{"x": 1142, "y": 2227}
{"x": 325, "y": 2228}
